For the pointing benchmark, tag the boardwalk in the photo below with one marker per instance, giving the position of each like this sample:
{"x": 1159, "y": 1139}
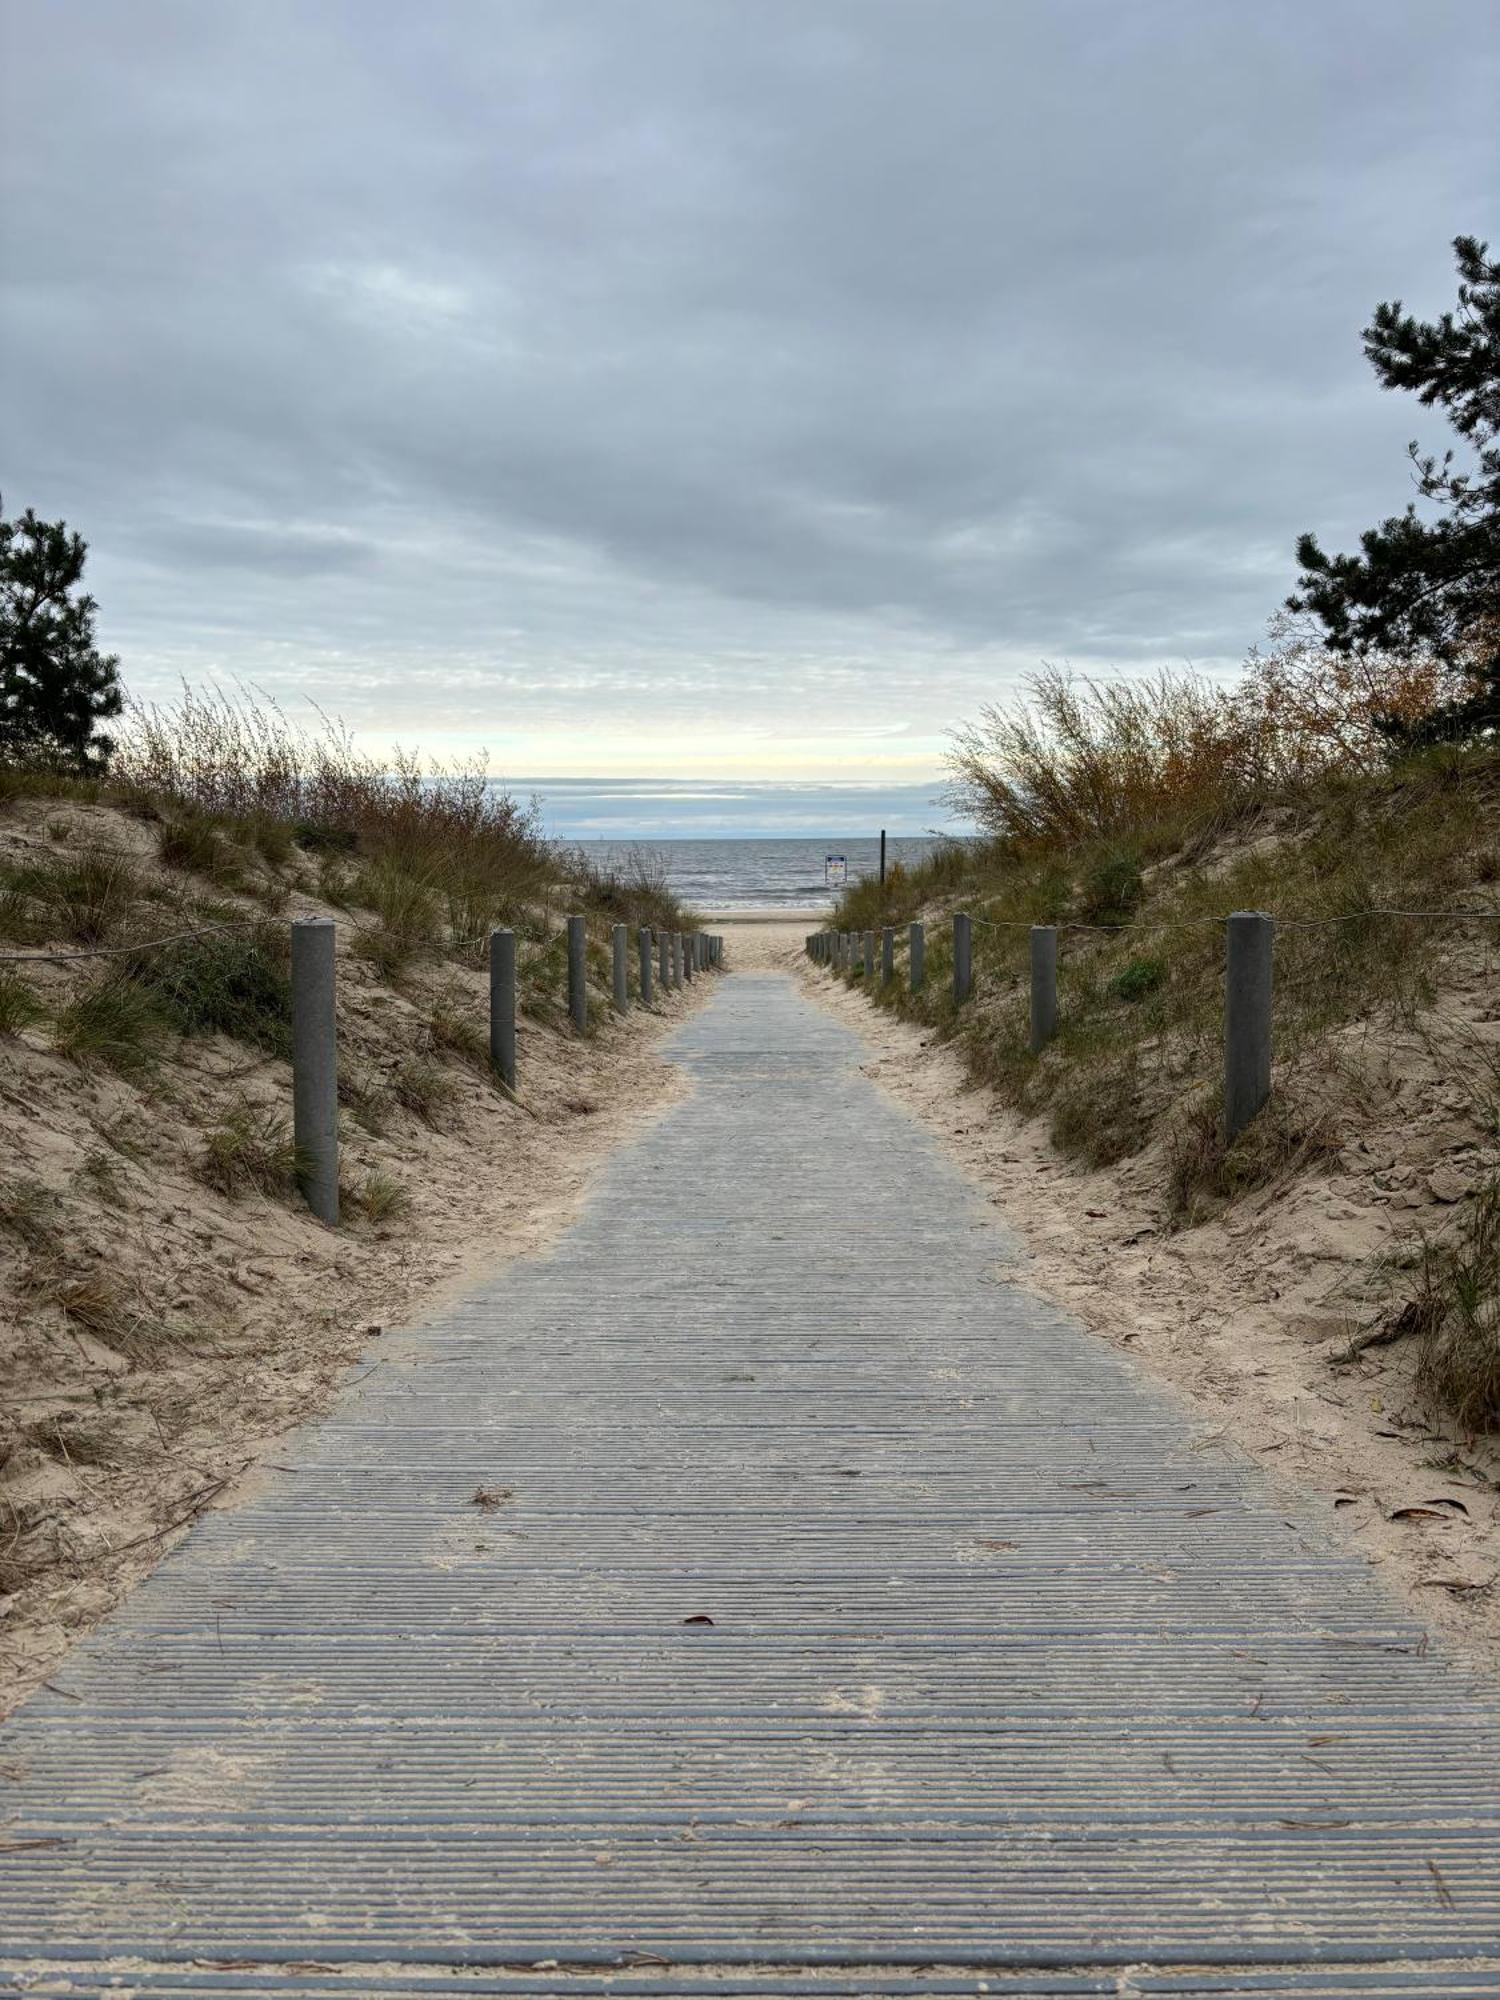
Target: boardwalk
{"x": 849, "y": 1622}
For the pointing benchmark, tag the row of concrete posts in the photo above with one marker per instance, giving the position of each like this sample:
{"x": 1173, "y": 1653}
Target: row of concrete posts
{"x": 1248, "y": 949}
{"x": 667, "y": 958}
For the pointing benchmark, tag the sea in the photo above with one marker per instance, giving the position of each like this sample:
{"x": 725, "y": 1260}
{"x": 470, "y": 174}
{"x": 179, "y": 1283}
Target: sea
{"x": 743, "y": 844}
{"x": 781, "y": 874}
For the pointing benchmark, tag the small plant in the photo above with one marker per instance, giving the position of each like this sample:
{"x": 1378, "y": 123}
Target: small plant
{"x": 456, "y": 1033}
{"x": 369, "y": 1101}
{"x": 28, "y": 1209}
{"x": 228, "y": 982}
{"x": 1111, "y": 891}
{"x": 115, "y": 1022}
{"x": 97, "y": 1306}
{"x": 1455, "y": 1313}
{"x": 423, "y": 1088}
{"x": 1284, "y": 1139}
{"x": 380, "y": 1197}
{"x": 250, "y": 1151}
{"x": 403, "y": 902}
{"x": 193, "y": 843}
{"x": 1140, "y": 978}
{"x": 99, "y": 1170}
{"x": 19, "y": 1006}
{"x": 84, "y": 898}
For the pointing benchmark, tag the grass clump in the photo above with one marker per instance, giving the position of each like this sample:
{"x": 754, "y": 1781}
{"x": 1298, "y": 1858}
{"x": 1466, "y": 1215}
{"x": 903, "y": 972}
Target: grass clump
{"x": 1204, "y": 1175}
{"x": 113, "y": 1022}
{"x": 455, "y": 1032}
{"x": 194, "y": 843}
{"x": 226, "y": 982}
{"x": 1455, "y": 1312}
{"x": 83, "y": 899}
{"x": 250, "y": 1151}
{"x": 379, "y": 1198}
{"x": 424, "y": 1088}
{"x": 29, "y": 1210}
{"x": 19, "y": 1006}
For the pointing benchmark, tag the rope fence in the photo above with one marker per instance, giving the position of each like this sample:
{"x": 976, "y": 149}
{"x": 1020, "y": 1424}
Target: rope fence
{"x": 1249, "y": 947}
{"x": 313, "y": 951}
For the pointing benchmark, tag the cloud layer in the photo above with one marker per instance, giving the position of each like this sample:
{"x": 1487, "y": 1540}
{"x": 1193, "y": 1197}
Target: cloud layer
{"x": 686, "y": 384}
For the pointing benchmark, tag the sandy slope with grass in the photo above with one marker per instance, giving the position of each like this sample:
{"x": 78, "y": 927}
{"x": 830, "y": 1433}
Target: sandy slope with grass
{"x": 1253, "y": 1313}
{"x": 167, "y": 1306}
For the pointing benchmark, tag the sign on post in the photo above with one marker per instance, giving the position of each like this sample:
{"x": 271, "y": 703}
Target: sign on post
{"x": 835, "y": 871}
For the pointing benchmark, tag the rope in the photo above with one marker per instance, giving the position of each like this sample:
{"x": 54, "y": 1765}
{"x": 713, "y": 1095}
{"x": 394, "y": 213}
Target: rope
{"x": 250, "y": 924}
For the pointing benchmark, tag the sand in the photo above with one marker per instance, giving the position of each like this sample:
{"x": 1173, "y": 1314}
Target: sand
{"x": 1246, "y": 1315}
{"x": 157, "y": 1336}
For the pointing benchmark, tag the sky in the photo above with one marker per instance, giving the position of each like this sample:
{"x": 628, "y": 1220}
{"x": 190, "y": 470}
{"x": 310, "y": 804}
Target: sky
{"x": 732, "y": 390}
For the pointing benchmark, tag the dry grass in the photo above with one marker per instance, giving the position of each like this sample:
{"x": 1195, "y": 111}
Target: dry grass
{"x": 1455, "y": 1312}
{"x": 250, "y": 1152}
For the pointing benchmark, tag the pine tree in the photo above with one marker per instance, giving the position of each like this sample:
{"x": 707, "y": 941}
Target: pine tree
{"x": 56, "y": 687}
{"x": 1431, "y": 585}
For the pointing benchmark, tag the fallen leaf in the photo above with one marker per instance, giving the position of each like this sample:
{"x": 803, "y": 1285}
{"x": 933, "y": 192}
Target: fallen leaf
{"x": 1444, "y": 1893}
{"x": 491, "y": 1497}
{"x": 698, "y": 1618}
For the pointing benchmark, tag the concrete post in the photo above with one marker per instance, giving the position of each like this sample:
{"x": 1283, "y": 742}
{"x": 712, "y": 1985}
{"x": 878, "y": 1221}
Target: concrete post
{"x": 887, "y": 955}
{"x": 916, "y": 939}
{"x": 1247, "y": 1017}
{"x": 503, "y": 1006}
{"x": 643, "y": 946}
{"x": 620, "y": 969}
{"x": 578, "y": 990}
{"x": 963, "y": 957}
{"x": 868, "y": 968}
{"x": 1043, "y": 985}
{"x": 315, "y": 1065}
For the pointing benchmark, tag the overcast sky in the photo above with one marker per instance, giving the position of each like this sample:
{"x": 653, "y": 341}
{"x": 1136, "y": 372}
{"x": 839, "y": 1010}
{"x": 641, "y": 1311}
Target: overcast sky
{"x": 663, "y": 386}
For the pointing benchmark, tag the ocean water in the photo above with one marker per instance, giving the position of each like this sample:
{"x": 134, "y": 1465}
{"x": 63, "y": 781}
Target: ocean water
{"x": 755, "y": 874}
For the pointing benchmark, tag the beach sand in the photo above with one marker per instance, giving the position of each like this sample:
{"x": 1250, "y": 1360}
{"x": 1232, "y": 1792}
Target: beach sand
{"x": 759, "y": 940}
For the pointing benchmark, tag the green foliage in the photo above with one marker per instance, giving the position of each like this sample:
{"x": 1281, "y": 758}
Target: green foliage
{"x": 1142, "y": 976}
{"x": 1112, "y": 890}
{"x": 193, "y": 843}
{"x": 1431, "y": 585}
{"x": 81, "y": 899}
{"x": 56, "y": 687}
{"x": 228, "y": 982}
{"x": 19, "y": 1006}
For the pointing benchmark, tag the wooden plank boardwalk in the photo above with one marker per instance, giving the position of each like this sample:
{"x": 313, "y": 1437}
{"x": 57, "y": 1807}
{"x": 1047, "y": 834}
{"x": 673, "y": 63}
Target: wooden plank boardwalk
{"x": 850, "y": 1622}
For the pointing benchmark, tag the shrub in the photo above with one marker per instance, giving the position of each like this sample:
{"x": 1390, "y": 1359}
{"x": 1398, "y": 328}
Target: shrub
{"x": 229, "y": 982}
{"x": 115, "y": 1022}
{"x": 1138, "y": 979}
{"x": 192, "y": 843}
{"x": 1112, "y": 891}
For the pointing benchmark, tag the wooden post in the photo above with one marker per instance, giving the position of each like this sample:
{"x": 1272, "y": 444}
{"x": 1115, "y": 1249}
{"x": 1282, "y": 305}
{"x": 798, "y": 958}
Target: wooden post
{"x": 503, "y": 1006}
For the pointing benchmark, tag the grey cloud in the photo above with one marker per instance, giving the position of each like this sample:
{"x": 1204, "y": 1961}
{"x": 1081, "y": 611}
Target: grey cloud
{"x": 939, "y": 335}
